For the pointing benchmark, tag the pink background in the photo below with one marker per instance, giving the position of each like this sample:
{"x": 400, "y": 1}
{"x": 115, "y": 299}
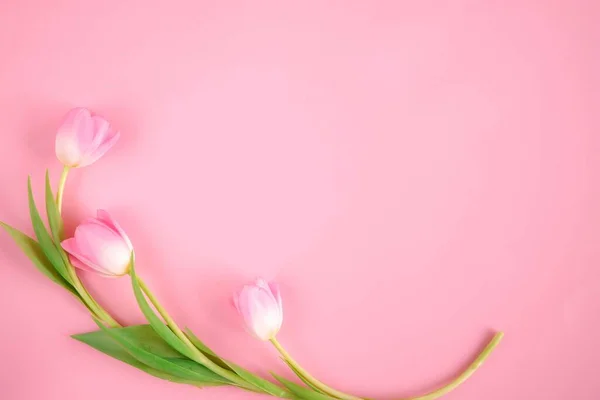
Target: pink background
{"x": 415, "y": 174}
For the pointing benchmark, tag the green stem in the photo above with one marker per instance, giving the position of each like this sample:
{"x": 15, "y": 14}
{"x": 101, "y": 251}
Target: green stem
{"x": 61, "y": 187}
{"x": 309, "y": 378}
{"x": 89, "y": 301}
{"x": 485, "y": 353}
{"x": 466, "y": 373}
{"x": 85, "y": 296}
{"x": 199, "y": 357}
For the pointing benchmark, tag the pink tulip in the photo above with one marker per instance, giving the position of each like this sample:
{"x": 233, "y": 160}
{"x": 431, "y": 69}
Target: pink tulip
{"x": 82, "y": 138}
{"x": 261, "y": 308}
{"x": 100, "y": 245}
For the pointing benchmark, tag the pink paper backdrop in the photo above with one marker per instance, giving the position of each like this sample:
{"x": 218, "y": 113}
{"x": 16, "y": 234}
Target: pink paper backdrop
{"x": 415, "y": 174}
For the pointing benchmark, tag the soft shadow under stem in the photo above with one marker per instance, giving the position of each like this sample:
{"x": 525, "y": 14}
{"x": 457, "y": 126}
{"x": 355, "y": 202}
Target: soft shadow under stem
{"x": 429, "y": 396}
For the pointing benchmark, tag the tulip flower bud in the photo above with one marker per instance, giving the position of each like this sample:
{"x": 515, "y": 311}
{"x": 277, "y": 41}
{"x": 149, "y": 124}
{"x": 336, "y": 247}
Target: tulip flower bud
{"x": 261, "y": 308}
{"x": 101, "y": 246}
{"x": 82, "y": 138}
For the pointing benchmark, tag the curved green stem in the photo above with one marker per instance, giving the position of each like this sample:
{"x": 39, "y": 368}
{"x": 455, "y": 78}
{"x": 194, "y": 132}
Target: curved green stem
{"x": 61, "y": 187}
{"x": 311, "y": 381}
{"x": 466, "y": 373}
{"x": 199, "y": 357}
{"x": 309, "y": 378}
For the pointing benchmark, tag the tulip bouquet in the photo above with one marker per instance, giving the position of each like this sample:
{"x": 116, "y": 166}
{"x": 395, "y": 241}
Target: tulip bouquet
{"x": 160, "y": 348}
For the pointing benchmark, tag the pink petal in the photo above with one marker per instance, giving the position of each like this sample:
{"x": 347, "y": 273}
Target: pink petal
{"x": 263, "y": 313}
{"x": 101, "y": 130}
{"x": 79, "y": 260}
{"x": 105, "y": 217}
{"x": 241, "y": 302}
{"x": 109, "y": 141}
{"x": 103, "y": 247}
{"x": 70, "y": 246}
{"x": 274, "y": 288}
{"x": 277, "y": 295}
{"x": 74, "y": 137}
{"x": 76, "y": 121}
{"x": 268, "y": 287}
{"x": 83, "y": 266}
{"x": 79, "y": 122}
{"x": 260, "y": 307}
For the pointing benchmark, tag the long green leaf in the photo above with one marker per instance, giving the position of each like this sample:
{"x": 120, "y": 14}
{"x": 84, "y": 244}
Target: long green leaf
{"x": 161, "y": 329}
{"x": 56, "y": 224}
{"x": 205, "y": 349}
{"x": 194, "y": 367}
{"x": 301, "y": 391}
{"x": 104, "y": 343}
{"x": 246, "y": 375}
{"x": 173, "y": 340}
{"x": 198, "y": 343}
{"x": 145, "y": 337}
{"x": 44, "y": 238}
{"x": 34, "y": 252}
{"x": 263, "y": 384}
{"x": 173, "y": 366}
{"x": 54, "y": 218}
